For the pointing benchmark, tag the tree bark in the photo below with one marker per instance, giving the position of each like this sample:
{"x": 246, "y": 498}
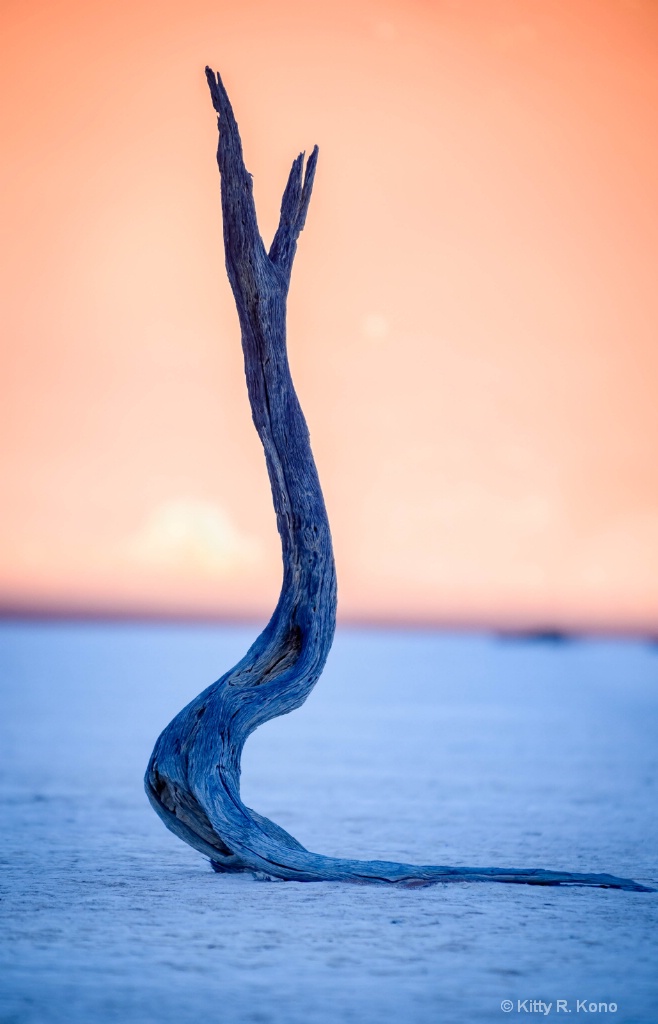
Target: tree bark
{"x": 193, "y": 777}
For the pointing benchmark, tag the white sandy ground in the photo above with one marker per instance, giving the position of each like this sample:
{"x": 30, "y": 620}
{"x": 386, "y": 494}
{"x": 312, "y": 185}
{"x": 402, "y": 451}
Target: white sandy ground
{"x": 414, "y": 746}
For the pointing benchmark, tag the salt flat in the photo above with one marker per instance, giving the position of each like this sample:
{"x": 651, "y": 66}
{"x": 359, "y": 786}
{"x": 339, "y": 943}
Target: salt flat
{"x": 416, "y": 746}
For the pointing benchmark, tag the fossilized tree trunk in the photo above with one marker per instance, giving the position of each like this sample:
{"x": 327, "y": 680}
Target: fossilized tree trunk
{"x": 193, "y": 777}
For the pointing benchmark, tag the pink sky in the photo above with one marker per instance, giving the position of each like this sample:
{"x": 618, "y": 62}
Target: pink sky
{"x": 472, "y": 320}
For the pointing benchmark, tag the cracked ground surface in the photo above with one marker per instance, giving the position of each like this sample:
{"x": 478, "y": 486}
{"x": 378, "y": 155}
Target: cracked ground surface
{"x": 415, "y": 746}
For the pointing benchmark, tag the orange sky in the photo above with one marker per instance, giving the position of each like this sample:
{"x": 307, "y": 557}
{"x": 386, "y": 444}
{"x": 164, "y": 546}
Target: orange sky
{"x": 472, "y": 321}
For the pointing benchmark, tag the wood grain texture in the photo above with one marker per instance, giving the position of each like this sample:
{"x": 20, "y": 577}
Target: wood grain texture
{"x": 193, "y": 777}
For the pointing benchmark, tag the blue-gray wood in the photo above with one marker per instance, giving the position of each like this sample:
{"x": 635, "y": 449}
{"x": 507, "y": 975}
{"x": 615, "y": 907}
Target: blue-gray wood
{"x": 193, "y": 777}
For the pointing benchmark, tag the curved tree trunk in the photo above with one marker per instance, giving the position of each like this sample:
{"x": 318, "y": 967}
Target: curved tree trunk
{"x": 193, "y": 777}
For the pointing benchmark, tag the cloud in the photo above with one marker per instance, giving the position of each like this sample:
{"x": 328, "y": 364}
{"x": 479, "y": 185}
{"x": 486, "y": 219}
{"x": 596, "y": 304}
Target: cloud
{"x": 194, "y": 535}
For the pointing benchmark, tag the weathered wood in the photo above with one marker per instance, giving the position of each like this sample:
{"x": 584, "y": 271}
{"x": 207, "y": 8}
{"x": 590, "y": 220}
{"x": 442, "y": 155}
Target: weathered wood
{"x": 193, "y": 777}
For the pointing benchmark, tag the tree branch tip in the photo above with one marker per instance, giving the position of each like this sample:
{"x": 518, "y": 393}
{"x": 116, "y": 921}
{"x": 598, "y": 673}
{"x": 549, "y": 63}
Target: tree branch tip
{"x": 216, "y": 86}
{"x": 311, "y": 164}
{"x": 312, "y": 159}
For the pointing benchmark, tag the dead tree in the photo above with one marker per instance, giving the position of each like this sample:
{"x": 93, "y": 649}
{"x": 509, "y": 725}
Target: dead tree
{"x": 193, "y": 777}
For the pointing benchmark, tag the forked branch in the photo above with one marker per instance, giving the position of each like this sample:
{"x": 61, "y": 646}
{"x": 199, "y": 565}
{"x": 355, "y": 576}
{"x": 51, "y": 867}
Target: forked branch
{"x": 193, "y": 777}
